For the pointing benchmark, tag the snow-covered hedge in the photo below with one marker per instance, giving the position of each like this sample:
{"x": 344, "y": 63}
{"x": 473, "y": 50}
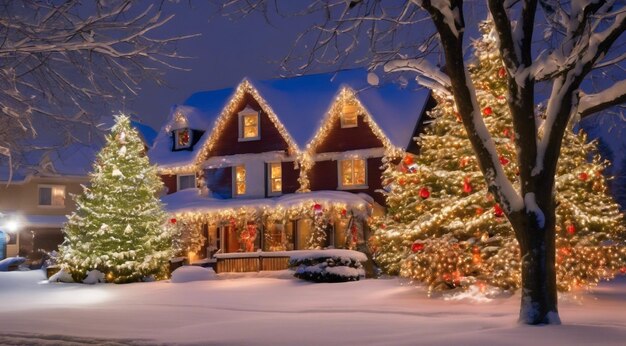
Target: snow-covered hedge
{"x": 328, "y": 265}
{"x": 192, "y": 273}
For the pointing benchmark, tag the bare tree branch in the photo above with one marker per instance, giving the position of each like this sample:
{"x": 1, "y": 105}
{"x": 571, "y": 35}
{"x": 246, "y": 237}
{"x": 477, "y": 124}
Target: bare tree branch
{"x": 609, "y": 97}
{"x": 68, "y": 57}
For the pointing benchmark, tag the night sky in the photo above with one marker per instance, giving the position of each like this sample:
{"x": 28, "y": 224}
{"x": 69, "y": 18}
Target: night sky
{"x": 229, "y": 50}
{"x": 226, "y": 52}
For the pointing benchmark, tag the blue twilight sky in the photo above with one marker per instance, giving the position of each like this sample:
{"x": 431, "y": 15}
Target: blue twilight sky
{"x": 229, "y": 50}
{"x": 226, "y": 52}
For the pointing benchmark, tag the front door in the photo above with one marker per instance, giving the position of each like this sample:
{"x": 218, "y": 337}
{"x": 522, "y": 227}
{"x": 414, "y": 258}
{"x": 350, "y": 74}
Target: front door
{"x": 231, "y": 240}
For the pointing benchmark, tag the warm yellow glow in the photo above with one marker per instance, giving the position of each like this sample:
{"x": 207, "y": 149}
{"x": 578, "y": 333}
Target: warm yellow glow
{"x": 250, "y": 125}
{"x": 349, "y": 114}
{"x": 353, "y": 172}
{"x": 240, "y": 180}
{"x": 276, "y": 184}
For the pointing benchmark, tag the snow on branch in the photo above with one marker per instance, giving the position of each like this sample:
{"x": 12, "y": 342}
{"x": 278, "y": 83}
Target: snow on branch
{"x": 429, "y": 75}
{"x": 611, "y": 96}
{"x": 61, "y": 59}
{"x": 582, "y": 46}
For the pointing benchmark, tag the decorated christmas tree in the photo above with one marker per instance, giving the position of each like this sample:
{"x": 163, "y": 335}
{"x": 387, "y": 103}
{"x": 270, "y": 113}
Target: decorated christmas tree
{"x": 317, "y": 239}
{"x": 443, "y": 228}
{"x": 119, "y": 226}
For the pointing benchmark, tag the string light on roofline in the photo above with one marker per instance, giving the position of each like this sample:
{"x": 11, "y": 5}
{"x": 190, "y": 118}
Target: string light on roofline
{"x": 245, "y": 87}
{"x": 346, "y": 94}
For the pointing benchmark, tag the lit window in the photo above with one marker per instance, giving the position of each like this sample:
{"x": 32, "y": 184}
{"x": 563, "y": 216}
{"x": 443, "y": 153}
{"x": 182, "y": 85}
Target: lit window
{"x": 275, "y": 176}
{"x": 52, "y": 195}
{"x": 240, "y": 180}
{"x": 186, "y": 181}
{"x": 352, "y": 172}
{"x": 248, "y": 125}
{"x": 182, "y": 139}
{"x": 349, "y": 115}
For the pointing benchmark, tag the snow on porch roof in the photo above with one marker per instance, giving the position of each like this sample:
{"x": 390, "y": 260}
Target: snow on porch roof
{"x": 191, "y": 201}
{"x": 301, "y": 104}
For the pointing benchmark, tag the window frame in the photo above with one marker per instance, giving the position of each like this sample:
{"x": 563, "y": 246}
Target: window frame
{"x": 270, "y": 191}
{"x": 344, "y": 123}
{"x": 176, "y": 134}
{"x": 341, "y": 185}
{"x": 245, "y": 181}
{"x": 178, "y": 176}
{"x": 51, "y": 187}
{"x": 242, "y": 115}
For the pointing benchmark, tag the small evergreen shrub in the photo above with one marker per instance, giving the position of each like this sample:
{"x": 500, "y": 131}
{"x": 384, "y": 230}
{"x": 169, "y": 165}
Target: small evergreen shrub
{"x": 327, "y": 268}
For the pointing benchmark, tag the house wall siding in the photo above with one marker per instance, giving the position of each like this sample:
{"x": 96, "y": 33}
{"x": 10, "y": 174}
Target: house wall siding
{"x": 25, "y": 196}
{"x": 352, "y": 138}
{"x": 170, "y": 183}
{"x": 324, "y": 176}
{"x": 290, "y": 177}
{"x": 228, "y": 142}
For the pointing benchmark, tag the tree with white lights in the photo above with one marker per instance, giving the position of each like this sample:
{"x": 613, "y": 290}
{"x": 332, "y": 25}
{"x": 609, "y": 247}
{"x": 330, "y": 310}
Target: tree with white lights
{"x": 444, "y": 228}
{"x": 119, "y": 226}
{"x": 579, "y": 39}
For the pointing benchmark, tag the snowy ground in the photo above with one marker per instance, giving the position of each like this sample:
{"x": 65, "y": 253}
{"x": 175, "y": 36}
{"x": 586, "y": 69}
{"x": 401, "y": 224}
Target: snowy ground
{"x": 284, "y": 311}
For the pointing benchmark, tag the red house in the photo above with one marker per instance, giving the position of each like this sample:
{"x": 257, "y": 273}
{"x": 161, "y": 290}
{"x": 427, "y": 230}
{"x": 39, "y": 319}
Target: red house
{"x": 261, "y": 165}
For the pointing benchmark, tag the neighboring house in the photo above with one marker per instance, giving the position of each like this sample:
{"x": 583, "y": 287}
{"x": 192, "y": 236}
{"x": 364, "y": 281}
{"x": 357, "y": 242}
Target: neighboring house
{"x": 259, "y": 165}
{"x": 35, "y": 198}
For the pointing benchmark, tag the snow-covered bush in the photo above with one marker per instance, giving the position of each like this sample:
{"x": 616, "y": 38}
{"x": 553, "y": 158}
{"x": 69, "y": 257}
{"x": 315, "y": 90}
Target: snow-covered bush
{"x": 328, "y": 265}
{"x": 61, "y": 276}
{"x": 94, "y": 277}
{"x": 192, "y": 273}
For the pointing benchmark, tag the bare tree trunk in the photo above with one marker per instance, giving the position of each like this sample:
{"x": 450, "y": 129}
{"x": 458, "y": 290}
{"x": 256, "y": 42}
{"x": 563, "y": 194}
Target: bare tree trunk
{"x": 537, "y": 249}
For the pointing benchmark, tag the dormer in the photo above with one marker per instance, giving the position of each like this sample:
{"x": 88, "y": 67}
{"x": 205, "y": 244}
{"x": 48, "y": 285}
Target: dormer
{"x": 181, "y": 134}
{"x": 249, "y": 125}
{"x": 183, "y": 137}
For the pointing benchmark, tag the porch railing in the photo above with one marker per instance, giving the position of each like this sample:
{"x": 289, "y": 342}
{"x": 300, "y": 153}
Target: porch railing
{"x": 247, "y": 262}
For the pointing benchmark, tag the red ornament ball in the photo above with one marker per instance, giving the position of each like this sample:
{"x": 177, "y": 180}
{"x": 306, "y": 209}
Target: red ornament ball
{"x": 501, "y": 72}
{"x": 623, "y": 270}
{"x": 583, "y": 176}
{"x": 504, "y": 161}
{"x": 571, "y": 229}
{"x": 401, "y": 181}
{"x": 497, "y": 210}
{"x": 424, "y": 193}
{"x": 487, "y": 111}
{"x": 317, "y": 207}
{"x": 479, "y": 211}
{"x": 408, "y": 160}
{"x": 416, "y": 247}
{"x": 172, "y": 220}
{"x": 467, "y": 186}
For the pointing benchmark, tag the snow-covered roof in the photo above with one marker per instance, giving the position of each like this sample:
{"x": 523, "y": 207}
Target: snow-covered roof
{"x": 57, "y": 159}
{"x": 301, "y": 104}
{"x": 192, "y": 201}
{"x": 74, "y": 160}
{"x": 147, "y": 133}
